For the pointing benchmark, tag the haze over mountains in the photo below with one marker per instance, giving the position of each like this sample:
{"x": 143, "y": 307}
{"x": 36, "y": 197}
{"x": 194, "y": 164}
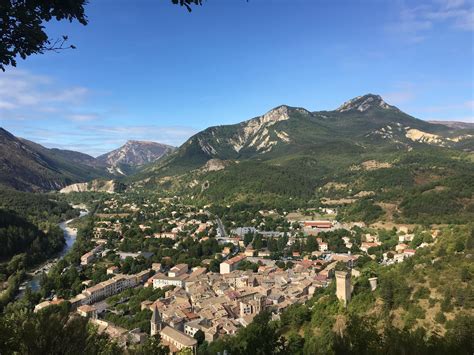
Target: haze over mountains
{"x": 28, "y": 166}
{"x": 298, "y": 148}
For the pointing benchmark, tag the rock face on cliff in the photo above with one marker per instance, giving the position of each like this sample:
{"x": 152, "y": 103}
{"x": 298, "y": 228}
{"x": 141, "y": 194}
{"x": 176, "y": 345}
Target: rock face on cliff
{"x": 214, "y": 165}
{"x": 134, "y": 153}
{"x": 109, "y": 186}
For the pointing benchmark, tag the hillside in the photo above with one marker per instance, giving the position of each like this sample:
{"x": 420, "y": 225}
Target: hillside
{"x": 366, "y": 147}
{"x": 28, "y": 166}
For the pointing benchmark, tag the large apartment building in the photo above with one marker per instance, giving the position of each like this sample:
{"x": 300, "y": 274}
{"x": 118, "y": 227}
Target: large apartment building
{"x": 108, "y": 288}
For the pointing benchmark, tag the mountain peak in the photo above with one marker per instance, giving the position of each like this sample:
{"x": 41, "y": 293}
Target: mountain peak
{"x": 364, "y": 103}
{"x": 137, "y": 142}
{"x": 279, "y": 113}
{"x": 135, "y": 153}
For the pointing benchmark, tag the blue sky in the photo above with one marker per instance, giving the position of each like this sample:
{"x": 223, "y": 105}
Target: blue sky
{"x": 146, "y": 69}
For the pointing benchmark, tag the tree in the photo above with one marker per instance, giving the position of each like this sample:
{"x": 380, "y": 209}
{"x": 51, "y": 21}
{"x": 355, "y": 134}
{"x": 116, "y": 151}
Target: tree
{"x": 199, "y": 336}
{"x": 152, "y": 346}
{"x": 248, "y": 237}
{"x": 311, "y": 244}
{"x": 187, "y": 3}
{"x": 52, "y": 331}
{"x": 22, "y": 30}
{"x": 295, "y": 315}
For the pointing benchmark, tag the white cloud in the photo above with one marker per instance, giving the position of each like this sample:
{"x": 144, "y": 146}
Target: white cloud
{"x": 414, "y": 23}
{"x": 5, "y": 105}
{"x": 40, "y": 109}
{"x": 25, "y": 90}
{"x": 83, "y": 117}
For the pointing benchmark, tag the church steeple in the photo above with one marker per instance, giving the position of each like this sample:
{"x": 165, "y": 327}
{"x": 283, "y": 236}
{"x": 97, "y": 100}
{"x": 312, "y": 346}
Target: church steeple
{"x": 156, "y": 323}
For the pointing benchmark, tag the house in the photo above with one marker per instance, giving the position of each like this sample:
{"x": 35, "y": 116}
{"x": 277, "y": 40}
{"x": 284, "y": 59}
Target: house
{"x": 87, "y": 311}
{"x": 371, "y": 238}
{"x": 142, "y": 276}
{"x": 398, "y": 258}
{"x": 323, "y": 246}
{"x": 177, "y": 340}
{"x": 401, "y": 247}
{"x": 249, "y": 252}
{"x": 202, "y": 227}
{"x": 112, "y": 270}
{"x": 87, "y": 258}
{"x": 156, "y": 267}
{"x": 204, "y": 325}
{"x": 170, "y": 235}
{"x": 409, "y": 252}
{"x": 178, "y": 270}
{"x": 161, "y": 280}
{"x": 365, "y": 246}
{"x": 226, "y": 267}
{"x": 264, "y": 253}
{"x": 252, "y": 306}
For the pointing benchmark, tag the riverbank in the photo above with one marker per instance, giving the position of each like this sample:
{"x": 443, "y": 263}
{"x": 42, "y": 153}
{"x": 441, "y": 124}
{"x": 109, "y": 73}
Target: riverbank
{"x": 70, "y": 235}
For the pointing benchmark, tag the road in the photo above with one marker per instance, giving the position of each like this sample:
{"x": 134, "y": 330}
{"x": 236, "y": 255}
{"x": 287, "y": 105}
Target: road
{"x": 220, "y": 225}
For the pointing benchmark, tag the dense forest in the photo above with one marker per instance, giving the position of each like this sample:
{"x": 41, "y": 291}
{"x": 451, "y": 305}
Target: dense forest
{"x": 17, "y": 235}
{"x": 38, "y": 208}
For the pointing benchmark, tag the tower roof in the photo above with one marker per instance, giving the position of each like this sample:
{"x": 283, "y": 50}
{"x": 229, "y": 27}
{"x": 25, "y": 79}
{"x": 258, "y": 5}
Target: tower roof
{"x": 155, "y": 317}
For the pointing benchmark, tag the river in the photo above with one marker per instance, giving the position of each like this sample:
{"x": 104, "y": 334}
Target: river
{"x": 70, "y": 237}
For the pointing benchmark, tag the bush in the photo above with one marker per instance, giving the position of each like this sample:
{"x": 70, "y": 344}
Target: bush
{"x": 440, "y": 317}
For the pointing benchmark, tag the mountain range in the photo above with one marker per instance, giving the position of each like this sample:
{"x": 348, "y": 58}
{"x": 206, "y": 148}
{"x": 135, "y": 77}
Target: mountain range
{"x": 28, "y": 166}
{"x": 365, "y": 147}
{"x": 291, "y": 152}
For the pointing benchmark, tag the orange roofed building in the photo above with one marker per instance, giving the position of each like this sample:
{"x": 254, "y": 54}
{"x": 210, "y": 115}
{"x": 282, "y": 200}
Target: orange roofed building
{"x": 318, "y": 224}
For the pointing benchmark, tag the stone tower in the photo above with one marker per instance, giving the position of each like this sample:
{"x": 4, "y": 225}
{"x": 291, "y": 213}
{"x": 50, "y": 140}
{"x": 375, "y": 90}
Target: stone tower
{"x": 343, "y": 286}
{"x": 156, "y": 322}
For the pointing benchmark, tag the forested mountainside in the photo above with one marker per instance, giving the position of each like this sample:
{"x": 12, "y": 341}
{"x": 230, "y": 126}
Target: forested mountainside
{"x": 364, "y": 150}
{"x": 28, "y": 166}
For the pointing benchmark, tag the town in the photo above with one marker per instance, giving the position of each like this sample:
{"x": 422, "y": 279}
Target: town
{"x": 156, "y": 266}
